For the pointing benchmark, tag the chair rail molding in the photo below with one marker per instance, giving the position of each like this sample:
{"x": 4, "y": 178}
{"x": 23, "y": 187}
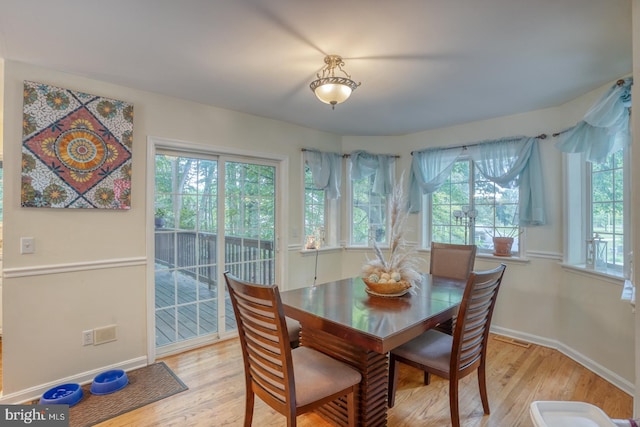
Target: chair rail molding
{"x": 40, "y": 270}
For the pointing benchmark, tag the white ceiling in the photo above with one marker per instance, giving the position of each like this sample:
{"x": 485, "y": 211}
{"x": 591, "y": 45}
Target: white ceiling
{"x": 423, "y": 64}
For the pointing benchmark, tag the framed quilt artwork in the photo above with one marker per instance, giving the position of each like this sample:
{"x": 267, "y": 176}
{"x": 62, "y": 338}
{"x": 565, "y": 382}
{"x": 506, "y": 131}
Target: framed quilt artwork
{"x": 76, "y": 149}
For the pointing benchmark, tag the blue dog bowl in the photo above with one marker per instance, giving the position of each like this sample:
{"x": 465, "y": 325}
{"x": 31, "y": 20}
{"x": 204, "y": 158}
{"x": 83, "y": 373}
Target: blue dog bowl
{"x": 65, "y": 394}
{"x": 109, "y": 382}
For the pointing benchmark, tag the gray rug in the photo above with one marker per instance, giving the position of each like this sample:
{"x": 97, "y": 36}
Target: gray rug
{"x": 146, "y": 385}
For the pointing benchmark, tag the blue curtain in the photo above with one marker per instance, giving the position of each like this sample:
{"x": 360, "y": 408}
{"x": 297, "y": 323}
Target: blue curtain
{"x": 517, "y": 161}
{"x": 364, "y": 164}
{"x": 430, "y": 168}
{"x": 605, "y": 127}
{"x": 326, "y": 171}
{"x": 506, "y": 161}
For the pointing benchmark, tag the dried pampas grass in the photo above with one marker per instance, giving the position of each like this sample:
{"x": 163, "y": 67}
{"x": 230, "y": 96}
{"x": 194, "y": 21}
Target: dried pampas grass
{"x": 401, "y": 257}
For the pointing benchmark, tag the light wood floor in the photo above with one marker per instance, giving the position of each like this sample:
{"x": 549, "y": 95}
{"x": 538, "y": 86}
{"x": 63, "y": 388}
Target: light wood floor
{"x": 516, "y": 377}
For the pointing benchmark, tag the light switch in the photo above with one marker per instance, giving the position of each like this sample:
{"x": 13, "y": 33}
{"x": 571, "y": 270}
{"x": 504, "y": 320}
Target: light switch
{"x": 27, "y": 245}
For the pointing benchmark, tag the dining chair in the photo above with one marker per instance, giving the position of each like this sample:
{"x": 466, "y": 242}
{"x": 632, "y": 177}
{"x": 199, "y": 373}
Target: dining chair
{"x": 455, "y": 357}
{"x": 291, "y": 381}
{"x": 453, "y": 261}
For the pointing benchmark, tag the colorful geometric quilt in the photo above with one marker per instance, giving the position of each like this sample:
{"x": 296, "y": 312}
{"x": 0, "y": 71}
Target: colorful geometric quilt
{"x": 76, "y": 149}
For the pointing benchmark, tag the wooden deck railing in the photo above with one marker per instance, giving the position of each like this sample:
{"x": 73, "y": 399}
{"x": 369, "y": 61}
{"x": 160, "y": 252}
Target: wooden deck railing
{"x": 250, "y": 259}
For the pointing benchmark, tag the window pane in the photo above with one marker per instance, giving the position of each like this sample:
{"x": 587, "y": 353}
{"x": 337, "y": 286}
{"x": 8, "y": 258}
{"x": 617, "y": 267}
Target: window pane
{"x": 314, "y": 206}
{"x": 369, "y": 212}
{"x": 498, "y": 205}
{"x": 474, "y": 210}
{"x": 602, "y": 185}
{"x": 607, "y": 206}
{"x": 447, "y": 203}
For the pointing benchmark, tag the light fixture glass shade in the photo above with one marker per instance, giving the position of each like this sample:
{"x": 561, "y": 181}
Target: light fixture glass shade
{"x": 333, "y": 93}
{"x": 332, "y": 89}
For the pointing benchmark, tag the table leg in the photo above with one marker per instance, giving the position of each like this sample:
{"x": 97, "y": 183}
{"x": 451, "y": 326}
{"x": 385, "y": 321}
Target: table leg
{"x": 374, "y": 367}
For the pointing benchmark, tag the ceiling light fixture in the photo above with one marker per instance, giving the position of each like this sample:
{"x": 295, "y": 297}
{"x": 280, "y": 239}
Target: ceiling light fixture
{"x": 332, "y": 89}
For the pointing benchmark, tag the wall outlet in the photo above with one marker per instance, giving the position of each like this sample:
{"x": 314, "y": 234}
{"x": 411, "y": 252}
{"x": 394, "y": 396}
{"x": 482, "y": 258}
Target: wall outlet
{"x": 87, "y": 337}
{"x": 105, "y": 334}
{"x": 27, "y": 245}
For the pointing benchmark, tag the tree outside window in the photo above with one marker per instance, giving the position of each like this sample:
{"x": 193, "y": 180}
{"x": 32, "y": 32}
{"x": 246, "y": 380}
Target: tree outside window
{"x": 494, "y": 210}
{"x": 368, "y": 213}
{"x": 315, "y": 212}
{"x": 607, "y": 206}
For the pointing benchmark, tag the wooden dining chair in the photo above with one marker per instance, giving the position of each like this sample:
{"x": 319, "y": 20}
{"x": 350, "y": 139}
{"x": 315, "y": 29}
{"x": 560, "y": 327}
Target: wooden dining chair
{"x": 455, "y": 357}
{"x": 291, "y": 381}
{"x": 453, "y": 261}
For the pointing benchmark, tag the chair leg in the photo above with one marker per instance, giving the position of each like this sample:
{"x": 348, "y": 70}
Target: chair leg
{"x": 427, "y": 378}
{"x": 482, "y": 382}
{"x": 393, "y": 380}
{"x": 248, "y": 409}
{"x": 453, "y": 402}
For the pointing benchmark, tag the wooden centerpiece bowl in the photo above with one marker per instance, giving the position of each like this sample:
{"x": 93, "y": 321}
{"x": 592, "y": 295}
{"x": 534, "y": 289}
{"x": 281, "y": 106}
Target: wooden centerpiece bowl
{"x": 387, "y": 288}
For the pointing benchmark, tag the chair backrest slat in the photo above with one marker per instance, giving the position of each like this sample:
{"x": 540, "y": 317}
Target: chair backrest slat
{"x": 474, "y": 318}
{"x": 264, "y": 340}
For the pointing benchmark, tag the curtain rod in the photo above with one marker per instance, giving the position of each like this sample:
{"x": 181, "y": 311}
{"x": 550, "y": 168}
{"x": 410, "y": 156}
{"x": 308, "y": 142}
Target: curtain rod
{"x": 465, "y": 146}
{"x": 349, "y": 155}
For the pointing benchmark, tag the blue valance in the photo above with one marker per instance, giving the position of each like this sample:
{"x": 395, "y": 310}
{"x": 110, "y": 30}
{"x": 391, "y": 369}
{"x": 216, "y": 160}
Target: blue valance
{"x": 429, "y": 170}
{"x": 326, "y": 171}
{"x": 503, "y": 161}
{"x": 365, "y": 164}
{"x": 605, "y": 127}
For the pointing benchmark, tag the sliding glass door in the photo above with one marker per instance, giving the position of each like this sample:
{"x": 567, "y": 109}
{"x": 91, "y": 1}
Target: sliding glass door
{"x": 210, "y": 211}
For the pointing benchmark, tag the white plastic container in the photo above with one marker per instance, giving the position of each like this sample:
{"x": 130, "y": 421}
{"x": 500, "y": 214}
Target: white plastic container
{"x": 568, "y": 414}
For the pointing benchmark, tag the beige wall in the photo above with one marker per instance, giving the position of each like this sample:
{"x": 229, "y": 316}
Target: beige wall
{"x": 89, "y": 266}
{"x": 88, "y": 269}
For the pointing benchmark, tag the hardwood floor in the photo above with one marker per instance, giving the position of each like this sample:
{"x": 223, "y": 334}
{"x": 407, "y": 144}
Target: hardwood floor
{"x": 516, "y": 376}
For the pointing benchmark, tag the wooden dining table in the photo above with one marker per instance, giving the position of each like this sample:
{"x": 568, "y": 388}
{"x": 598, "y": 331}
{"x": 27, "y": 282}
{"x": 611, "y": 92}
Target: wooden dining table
{"x": 344, "y": 321}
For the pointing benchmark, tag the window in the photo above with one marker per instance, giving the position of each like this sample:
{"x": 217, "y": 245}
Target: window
{"x": 606, "y": 213}
{"x": 368, "y": 213}
{"x": 315, "y": 212}
{"x": 320, "y": 216}
{"x": 596, "y": 184}
{"x": 595, "y": 208}
{"x": 468, "y": 209}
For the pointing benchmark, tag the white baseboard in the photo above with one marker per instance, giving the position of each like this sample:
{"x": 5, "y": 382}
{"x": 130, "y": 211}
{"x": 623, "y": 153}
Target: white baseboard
{"x": 594, "y": 367}
{"x": 34, "y": 393}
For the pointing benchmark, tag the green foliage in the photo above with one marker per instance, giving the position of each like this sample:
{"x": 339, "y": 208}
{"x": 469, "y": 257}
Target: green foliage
{"x": 607, "y": 205}
{"x": 187, "y": 195}
{"x": 314, "y": 205}
{"x": 496, "y": 208}
{"x": 369, "y": 213}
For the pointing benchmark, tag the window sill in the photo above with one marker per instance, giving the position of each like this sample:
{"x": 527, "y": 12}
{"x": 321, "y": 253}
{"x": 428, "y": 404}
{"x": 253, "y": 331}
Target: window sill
{"x": 365, "y": 248}
{"x": 328, "y": 249}
{"x": 506, "y": 259}
{"x": 609, "y": 275}
{"x": 488, "y": 257}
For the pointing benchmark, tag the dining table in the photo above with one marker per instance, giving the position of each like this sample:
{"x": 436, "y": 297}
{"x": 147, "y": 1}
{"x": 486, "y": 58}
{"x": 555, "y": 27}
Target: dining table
{"x": 348, "y": 322}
